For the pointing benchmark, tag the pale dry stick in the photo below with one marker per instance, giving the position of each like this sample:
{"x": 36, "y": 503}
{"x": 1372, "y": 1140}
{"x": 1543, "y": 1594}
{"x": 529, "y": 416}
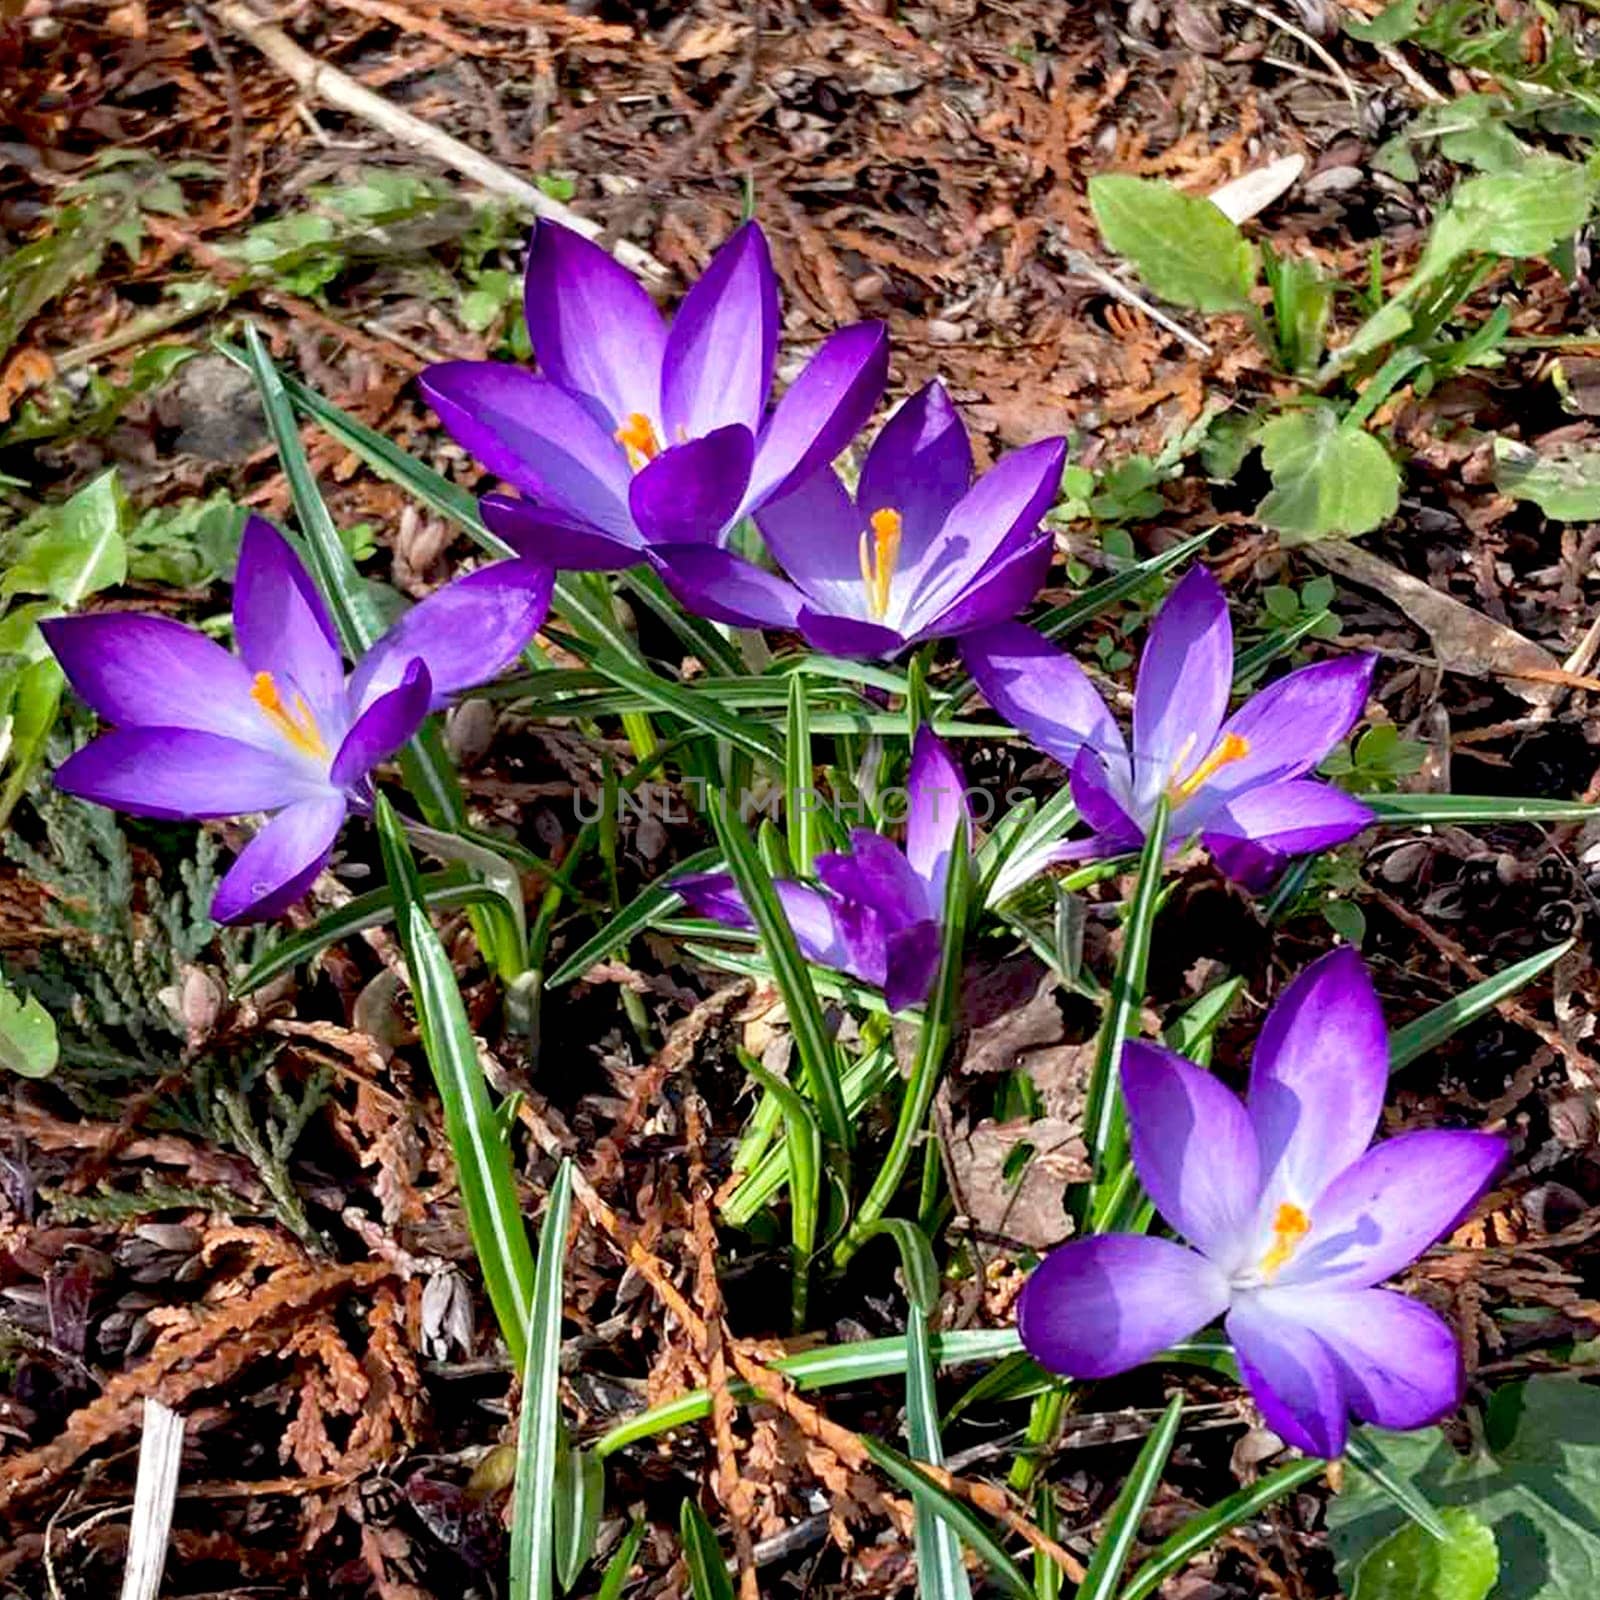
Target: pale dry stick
{"x": 1252, "y": 192}
{"x": 1419, "y": 85}
{"x": 1394, "y": 58}
{"x": 316, "y": 78}
{"x": 1584, "y": 654}
{"x": 154, "y": 1492}
{"x": 1315, "y": 46}
{"x": 1082, "y": 267}
{"x": 104, "y": 1514}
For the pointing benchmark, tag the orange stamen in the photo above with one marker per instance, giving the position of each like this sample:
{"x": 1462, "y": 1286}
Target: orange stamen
{"x": 878, "y": 560}
{"x": 637, "y": 436}
{"x": 295, "y": 722}
{"x": 1289, "y": 1226}
{"x": 1231, "y": 747}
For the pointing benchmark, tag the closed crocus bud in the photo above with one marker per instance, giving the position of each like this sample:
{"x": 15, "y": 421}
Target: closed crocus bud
{"x": 877, "y": 909}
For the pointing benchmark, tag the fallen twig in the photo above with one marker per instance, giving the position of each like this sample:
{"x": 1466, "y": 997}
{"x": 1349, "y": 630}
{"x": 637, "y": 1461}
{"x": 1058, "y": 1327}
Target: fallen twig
{"x": 317, "y": 78}
{"x": 1081, "y": 266}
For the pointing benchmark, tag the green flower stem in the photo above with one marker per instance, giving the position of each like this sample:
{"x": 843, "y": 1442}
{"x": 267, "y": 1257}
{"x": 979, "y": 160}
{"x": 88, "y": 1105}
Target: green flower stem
{"x": 1103, "y": 1126}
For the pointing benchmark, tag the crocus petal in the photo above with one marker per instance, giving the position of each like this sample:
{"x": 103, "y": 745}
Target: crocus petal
{"x": 1293, "y": 723}
{"x": 1251, "y": 831}
{"x": 935, "y": 810}
{"x": 387, "y": 722}
{"x": 1318, "y": 1078}
{"x": 280, "y": 622}
{"x": 713, "y": 582}
{"x": 811, "y": 914}
{"x": 714, "y": 895}
{"x": 1194, "y": 1150}
{"x": 1095, "y": 794}
{"x": 692, "y": 491}
{"x": 593, "y": 326}
{"x": 137, "y": 670}
{"x": 174, "y": 773}
{"x": 538, "y": 436}
{"x": 466, "y": 632}
{"x": 996, "y": 595}
{"x": 1001, "y": 510}
{"x": 920, "y": 465}
{"x": 1400, "y": 1362}
{"x": 911, "y": 960}
{"x": 816, "y": 926}
{"x": 814, "y": 534}
{"x": 845, "y": 636}
{"x": 825, "y": 407}
{"x": 875, "y": 873}
{"x": 543, "y": 536}
{"x": 1379, "y": 1215}
{"x": 1181, "y": 692}
{"x": 1292, "y": 1375}
{"x": 724, "y": 342}
{"x": 863, "y": 941}
{"x": 1041, "y": 691}
{"x": 277, "y": 867}
{"x": 1099, "y": 1306}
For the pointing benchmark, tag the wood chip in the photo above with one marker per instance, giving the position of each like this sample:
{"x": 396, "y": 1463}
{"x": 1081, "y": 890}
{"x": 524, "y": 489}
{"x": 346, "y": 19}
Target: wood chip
{"x": 1251, "y": 193}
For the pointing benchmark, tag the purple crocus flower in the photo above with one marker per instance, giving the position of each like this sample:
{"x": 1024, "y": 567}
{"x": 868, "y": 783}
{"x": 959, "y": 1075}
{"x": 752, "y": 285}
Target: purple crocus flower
{"x": 1292, "y": 1219}
{"x": 1239, "y": 782}
{"x": 277, "y": 728}
{"x": 919, "y": 552}
{"x": 878, "y": 913}
{"x": 637, "y": 434}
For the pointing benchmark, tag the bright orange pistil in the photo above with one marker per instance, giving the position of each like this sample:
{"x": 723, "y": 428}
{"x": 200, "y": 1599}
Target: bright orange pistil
{"x": 295, "y": 722}
{"x": 879, "y": 558}
{"x": 1289, "y": 1226}
{"x": 637, "y": 436}
{"x": 1231, "y": 747}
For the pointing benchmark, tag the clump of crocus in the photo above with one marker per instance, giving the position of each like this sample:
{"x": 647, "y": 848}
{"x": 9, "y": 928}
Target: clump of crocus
{"x": 878, "y": 912}
{"x": 1293, "y": 1221}
{"x": 919, "y": 551}
{"x": 1239, "y": 782}
{"x": 636, "y": 434}
{"x": 278, "y": 728}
